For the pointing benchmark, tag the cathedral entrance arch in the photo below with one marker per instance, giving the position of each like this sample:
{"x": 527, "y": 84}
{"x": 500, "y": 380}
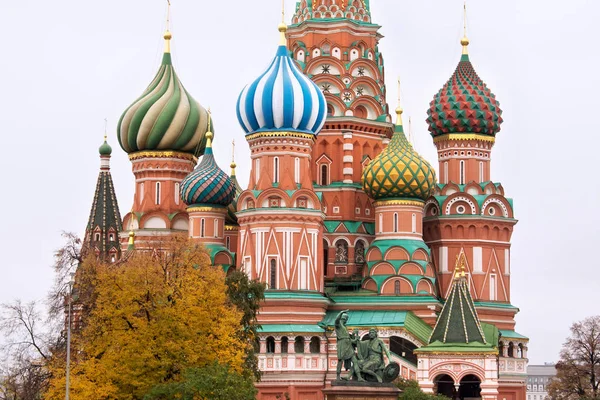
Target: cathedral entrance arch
{"x": 470, "y": 388}
{"x": 444, "y": 385}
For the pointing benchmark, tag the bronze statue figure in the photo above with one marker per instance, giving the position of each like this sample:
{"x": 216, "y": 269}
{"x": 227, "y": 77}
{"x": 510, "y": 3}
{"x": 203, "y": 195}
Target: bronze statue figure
{"x": 345, "y": 349}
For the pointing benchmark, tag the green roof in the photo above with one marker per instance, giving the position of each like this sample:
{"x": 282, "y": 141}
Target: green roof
{"x": 512, "y": 334}
{"x": 351, "y": 226}
{"x": 409, "y": 245}
{"x": 381, "y": 318}
{"x": 287, "y": 294}
{"x": 290, "y": 328}
{"x": 491, "y": 336}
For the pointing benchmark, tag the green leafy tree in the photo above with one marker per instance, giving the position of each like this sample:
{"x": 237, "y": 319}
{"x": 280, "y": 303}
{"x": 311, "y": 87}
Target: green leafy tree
{"x": 246, "y": 295}
{"x": 212, "y": 382}
{"x": 412, "y": 391}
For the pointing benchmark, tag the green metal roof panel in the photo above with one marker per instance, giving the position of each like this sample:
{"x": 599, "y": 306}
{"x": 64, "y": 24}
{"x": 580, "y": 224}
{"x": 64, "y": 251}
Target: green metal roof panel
{"x": 286, "y": 294}
{"x": 352, "y": 226}
{"x": 484, "y": 304}
{"x": 512, "y": 334}
{"x": 409, "y": 245}
{"x": 290, "y": 328}
{"x": 331, "y": 226}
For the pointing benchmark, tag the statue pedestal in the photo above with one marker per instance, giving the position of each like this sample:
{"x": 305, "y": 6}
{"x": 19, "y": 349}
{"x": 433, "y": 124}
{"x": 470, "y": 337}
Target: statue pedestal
{"x": 351, "y": 390}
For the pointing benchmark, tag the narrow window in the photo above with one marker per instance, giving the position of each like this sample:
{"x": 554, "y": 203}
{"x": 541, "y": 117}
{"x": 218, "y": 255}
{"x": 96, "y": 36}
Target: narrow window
{"x": 111, "y": 237}
{"x": 177, "y": 193}
{"x": 395, "y": 222}
{"x": 493, "y": 287}
{"x": 462, "y": 172}
{"x": 216, "y": 233}
{"x": 414, "y": 223}
{"x": 315, "y": 345}
{"x": 202, "y": 227}
{"x": 481, "y": 177}
{"x": 97, "y": 237}
{"x": 297, "y": 169}
{"x": 141, "y": 191}
{"x": 324, "y": 175}
{"x": 445, "y": 172}
{"x": 157, "y": 192}
{"x": 112, "y": 258}
{"x": 380, "y": 223}
{"x": 271, "y": 345}
{"x": 276, "y": 170}
{"x": 257, "y": 172}
{"x": 273, "y": 275}
{"x": 299, "y": 345}
{"x": 397, "y": 288}
{"x": 228, "y": 242}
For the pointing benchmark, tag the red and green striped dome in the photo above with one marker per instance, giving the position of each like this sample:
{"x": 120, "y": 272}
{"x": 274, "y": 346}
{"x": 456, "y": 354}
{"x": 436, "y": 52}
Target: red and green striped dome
{"x": 464, "y": 105}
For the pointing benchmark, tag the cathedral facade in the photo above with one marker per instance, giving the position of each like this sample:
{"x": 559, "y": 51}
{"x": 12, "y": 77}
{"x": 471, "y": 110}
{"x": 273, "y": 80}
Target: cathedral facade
{"x": 340, "y": 212}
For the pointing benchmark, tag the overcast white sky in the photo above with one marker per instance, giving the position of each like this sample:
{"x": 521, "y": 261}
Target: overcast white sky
{"x": 69, "y": 64}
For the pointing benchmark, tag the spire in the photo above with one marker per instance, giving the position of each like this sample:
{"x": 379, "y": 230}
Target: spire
{"x": 458, "y": 323}
{"x": 465, "y": 41}
{"x": 399, "y": 109}
{"x": 131, "y": 244}
{"x": 282, "y": 26}
{"x": 168, "y": 36}
{"x": 233, "y": 164}
{"x": 104, "y": 223}
{"x": 209, "y": 135}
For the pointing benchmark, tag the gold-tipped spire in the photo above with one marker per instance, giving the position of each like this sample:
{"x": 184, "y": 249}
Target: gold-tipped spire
{"x": 168, "y": 34}
{"x": 105, "y": 128}
{"x": 399, "y": 109}
{"x": 233, "y": 164}
{"x": 410, "y": 136}
{"x": 282, "y": 26}
{"x": 209, "y": 134}
{"x": 465, "y": 41}
{"x": 461, "y": 263}
{"x": 131, "y": 244}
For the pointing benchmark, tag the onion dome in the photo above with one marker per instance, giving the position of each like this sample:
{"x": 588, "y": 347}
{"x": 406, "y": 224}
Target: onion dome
{"x": 464, "y": 104}
{"x": 165, "y": 117}
{"x": 105, "y": 149}
{"x": 207, "y": 183}
{"x": 282, "y": 99}
{"x": 398, "y": 171}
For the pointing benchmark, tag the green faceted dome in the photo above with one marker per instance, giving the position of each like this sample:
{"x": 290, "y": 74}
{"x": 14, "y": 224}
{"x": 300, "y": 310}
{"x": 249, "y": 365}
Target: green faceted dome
{"x": 165, "y": 117}
{"x": 398, "y": 171}
{"x": 105, "y": 149}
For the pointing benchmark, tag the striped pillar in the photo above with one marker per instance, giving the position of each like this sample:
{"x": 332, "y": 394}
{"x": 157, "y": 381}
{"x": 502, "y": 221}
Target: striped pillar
{"x": 348, "y": 170}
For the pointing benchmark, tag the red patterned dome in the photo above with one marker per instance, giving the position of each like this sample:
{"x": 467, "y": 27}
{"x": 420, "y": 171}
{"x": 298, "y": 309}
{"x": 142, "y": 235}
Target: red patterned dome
{"x": 464, "y": 105}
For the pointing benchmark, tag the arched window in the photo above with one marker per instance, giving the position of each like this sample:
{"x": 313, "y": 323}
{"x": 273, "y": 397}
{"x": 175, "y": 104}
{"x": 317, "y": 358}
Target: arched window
{"x": 284, "y": 345}
{"x": 271, "y": 344}
{"x": 113, "y": 258}
{"x": 157, "y": 193}
{"x": 462, "y": 172}
{"x": 397, "y": 288}
{"x": 380, "y": 223}
{"x": 414, "y": 223}
{"x": 501, "y": 349}
{"x": 360, "y": 112}
{"x": 228, "y": 242}
{"x": 177, "y": 197}
{"x": 395, "y": 222}
{"x": 202, "y": 227}
{"x": 141, "y": 191}
{"x": 511, "y": 349}
{"x": 330, "y": 110}
{"x": 359, "y": 253}
{"x": 315, "y": 345}
{"x": 341, "y": 251}
{"x": 216, "y": 227}
{"x": 273, "y": 274}
{"x": 276, "y": 170}
{"x": 299, "y": 345}
{"x": 326, "y": 48}
{"x": 96, "y": 237}
{"x": 111, "y": 237}
{"x": 257, "y": 168}
{"x": 324, "y": 175}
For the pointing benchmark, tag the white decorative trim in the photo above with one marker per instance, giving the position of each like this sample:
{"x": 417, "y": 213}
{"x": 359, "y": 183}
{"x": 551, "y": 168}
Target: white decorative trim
{"x": 497, "y": 201}
{"x": 461, "y": 198}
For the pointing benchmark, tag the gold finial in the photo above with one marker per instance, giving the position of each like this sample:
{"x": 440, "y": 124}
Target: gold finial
{"x": 168, "y": 34}
{"x": 233, "y": 164}
{"x": 461, "y": 263}
{"x": 410, "y": 137}
{"x": 282, "y": 26}
{"x": 399, "y": 109}
{"x": 105, "y": 128}
{"x": 131, "y": 232}
{"x": 209, "y": 134}
{"x": 464, "y": 41}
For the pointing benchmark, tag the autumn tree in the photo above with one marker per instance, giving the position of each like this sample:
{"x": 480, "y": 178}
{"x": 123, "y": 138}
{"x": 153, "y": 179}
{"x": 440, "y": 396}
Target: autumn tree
{"x": 578, "y": 371}
{"x": 155, "y": 317}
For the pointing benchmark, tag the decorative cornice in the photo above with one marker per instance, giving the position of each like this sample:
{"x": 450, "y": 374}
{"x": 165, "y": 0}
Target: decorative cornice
{"x": 259, "y": 135}
{"x": 162, "y": 154}
{"x": 200, "y": 208}
{"x": 399, "y": 202}
{"x": 464, "y": 136}
{"x": 232, "y": 228}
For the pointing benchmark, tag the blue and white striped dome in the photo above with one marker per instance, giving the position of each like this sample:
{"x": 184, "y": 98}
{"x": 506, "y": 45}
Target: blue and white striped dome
{"x": 282, "y": 99}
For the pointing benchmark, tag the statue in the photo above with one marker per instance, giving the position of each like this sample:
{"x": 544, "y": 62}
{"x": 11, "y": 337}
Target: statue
{"x": 363, "y": 359}
{"x": 345, "y": 349}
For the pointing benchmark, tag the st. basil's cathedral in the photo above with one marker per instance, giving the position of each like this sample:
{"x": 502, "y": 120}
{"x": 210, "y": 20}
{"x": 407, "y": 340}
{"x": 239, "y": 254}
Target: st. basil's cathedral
{"x": 340, "y": 212}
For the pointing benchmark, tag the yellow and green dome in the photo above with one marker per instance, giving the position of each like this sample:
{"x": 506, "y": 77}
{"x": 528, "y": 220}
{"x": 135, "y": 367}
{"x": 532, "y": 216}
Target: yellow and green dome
{"x": 165, "y": 117}
{"x": 398, "y": 171}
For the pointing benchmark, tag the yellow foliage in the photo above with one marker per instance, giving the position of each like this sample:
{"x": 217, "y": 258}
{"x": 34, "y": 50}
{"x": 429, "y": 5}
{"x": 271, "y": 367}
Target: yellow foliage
{"x": 155, "y": 315}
